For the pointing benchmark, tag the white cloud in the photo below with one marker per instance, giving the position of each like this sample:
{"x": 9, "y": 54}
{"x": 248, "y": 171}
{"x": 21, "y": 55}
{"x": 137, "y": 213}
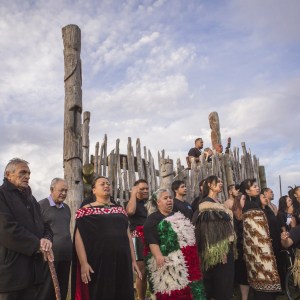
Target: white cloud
{"x": 153, "y": 71}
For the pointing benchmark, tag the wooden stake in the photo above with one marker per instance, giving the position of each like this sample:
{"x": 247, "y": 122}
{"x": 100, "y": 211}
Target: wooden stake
{"x": 72, "y": 118}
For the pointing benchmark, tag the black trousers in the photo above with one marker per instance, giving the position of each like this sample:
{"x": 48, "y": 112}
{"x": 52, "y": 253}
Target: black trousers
{"x": 46, "y": 290}
{"x": 25, "y": 294}
{"x": 219, "y": 280}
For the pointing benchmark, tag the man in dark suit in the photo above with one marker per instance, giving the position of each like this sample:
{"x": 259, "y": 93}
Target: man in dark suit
{"x": 24, "y": 238}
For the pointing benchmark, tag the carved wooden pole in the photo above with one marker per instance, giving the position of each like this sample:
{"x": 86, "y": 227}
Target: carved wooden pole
{"x": 167, "y": 173}
{"x": 85, "y": 137}
{"x": 96, "y": 159}
{"x": 262, "y": 177}
{"x": 72, "y": 118}
{"x": 140, "y": 165}
{"x": 215, "y": 129}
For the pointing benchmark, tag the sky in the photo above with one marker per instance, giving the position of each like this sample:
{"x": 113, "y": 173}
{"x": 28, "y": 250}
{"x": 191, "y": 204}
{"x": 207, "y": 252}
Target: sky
{"x": 153, "y": 70}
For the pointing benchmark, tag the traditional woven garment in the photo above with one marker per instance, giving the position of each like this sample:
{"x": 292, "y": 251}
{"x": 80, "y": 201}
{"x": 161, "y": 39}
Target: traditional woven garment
{"x": 214, "y": 233}
{"x": 258, "y": 252}
{"x": 180, "y": 277}
{"x": 296, "y": 268}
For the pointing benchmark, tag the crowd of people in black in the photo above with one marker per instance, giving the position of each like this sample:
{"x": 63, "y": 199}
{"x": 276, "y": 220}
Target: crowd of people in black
{"x": 179, "y": 250}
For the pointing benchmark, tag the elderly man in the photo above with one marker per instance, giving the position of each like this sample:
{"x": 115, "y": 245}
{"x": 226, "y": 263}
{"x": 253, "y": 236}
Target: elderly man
{"x": 24, "y": 238}
{"x": 58, "y": 215}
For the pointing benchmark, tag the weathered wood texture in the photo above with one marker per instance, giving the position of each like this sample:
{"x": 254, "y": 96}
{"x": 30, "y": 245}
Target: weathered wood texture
{"x": 125, "y": 169}
{"x": 72, "y": 118}
{"x": 85, "y": 137}
{"x": 215, "y": 129}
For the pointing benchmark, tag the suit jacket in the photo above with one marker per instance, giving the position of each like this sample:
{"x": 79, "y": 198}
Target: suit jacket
{"x": 21, "y": 228}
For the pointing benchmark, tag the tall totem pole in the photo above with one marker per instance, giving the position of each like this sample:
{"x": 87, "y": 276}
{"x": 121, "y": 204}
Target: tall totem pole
{"x": 72, "y": 117}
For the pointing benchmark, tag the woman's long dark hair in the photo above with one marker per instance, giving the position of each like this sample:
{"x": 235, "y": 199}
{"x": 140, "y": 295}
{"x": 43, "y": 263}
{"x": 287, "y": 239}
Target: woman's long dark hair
{"x": 291, "y": 194}
{"x": 282, "y": 206}
{"x": 209, "y": 180}
{"x": 246, "y": 184}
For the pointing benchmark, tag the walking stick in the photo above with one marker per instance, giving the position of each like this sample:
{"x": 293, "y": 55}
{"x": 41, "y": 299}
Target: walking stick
{"x": 54, "y": 277}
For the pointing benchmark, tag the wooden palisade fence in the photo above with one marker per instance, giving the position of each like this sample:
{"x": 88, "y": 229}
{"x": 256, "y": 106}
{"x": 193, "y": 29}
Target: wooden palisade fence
{"x": 124, "y": 169}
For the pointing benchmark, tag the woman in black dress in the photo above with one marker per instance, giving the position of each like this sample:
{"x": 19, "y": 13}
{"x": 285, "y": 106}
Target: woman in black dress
{"x": 104, "y": 256}
{"x": 285, "y": 213}
{"x": 240, "y": 270}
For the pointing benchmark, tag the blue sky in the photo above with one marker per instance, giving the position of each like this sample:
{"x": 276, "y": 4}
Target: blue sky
{"x": 154, "y": 70}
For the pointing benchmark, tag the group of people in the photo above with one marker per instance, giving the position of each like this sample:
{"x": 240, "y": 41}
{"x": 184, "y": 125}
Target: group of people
{"x": 176, "y": 249}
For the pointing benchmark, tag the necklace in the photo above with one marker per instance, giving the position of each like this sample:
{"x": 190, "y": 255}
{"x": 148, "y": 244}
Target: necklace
{"x": 103, "y": 204}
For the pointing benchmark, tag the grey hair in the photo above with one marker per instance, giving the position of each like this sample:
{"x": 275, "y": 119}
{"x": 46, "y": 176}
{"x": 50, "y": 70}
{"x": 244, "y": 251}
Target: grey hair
{"x": 11, "y": 166}
{"x": 151, "y": 204}
{"x": 54, "y": 182}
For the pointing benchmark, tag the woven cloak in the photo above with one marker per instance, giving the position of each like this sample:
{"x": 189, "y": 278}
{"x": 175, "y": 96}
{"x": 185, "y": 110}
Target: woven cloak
{"x": 258, "y": 252}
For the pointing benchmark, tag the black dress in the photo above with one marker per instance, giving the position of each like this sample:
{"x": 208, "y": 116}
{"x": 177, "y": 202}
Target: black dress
{"x": 104, "y": 235}
{"x": 240, "y": 270}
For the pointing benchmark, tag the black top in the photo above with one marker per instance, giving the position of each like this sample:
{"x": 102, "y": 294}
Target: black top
{"x": 150, "y": 227}
{"x": 196, "y": 202}
{"x": 195, "y": 152}
{"x": 184, "y": 207}
{"x": 251, "y": 203}
{"x": 239, "y": 231}
{"x": 140, "y": 216}
{"x": 274, "y": 227}
{"x": 282, "y": 217}
{"x": 295, "y": 236}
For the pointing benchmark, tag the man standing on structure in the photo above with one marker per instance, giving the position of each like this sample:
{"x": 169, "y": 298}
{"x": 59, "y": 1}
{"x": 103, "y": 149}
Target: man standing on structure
{"x": 24, "y": 238}
{"x": 194, "y": 153}
{"x": 137, "y": 214}
{"x": 58, "y": 215}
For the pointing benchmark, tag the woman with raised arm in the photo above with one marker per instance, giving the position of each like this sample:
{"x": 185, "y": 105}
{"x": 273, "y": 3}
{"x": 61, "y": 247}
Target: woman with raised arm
{"x": 104, "y": 256}
{"x": 215, "y": 236}
{"x": 172, "y": 261}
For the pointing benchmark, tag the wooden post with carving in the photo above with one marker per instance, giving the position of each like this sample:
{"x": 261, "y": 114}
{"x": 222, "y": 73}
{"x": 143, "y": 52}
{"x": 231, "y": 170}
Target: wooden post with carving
{"x": 72, "y": 118}
{"x": 85, "y": 137}
{"x": 215, "y": 129}
{"x": 167, "y": 173}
